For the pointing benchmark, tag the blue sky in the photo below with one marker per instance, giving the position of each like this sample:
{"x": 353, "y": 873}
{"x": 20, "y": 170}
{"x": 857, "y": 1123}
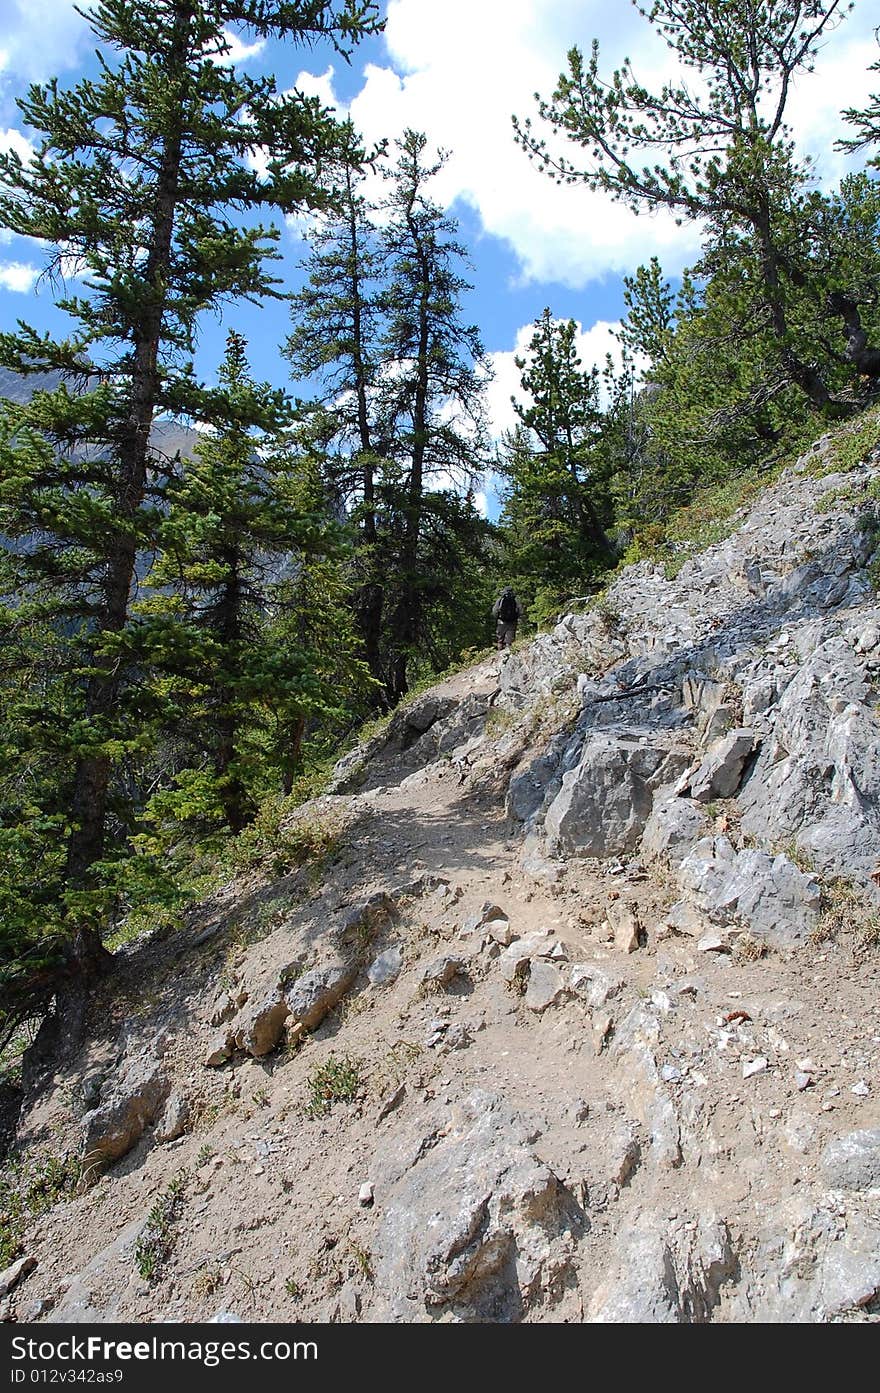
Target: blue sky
{"x": 456, "y": 69}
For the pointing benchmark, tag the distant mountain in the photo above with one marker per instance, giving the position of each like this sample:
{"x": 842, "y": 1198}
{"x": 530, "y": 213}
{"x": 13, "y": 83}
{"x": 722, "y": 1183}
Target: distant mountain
{"x": 169, "y": 436}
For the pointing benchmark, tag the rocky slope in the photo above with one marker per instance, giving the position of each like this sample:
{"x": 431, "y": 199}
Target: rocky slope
{"x": 579, "y": 1021}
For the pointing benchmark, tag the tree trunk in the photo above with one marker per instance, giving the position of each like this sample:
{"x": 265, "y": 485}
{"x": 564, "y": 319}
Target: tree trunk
{"x": 864, "y": 358}
{"x": 92, "y": 774}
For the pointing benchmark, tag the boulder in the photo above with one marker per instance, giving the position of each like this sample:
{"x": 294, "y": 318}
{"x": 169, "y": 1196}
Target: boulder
{"x": 260, "y": 1027}
{"x": 111, "y": 1130}
{"x": 604, "y": 803}
{"x": 593, "y": 984}
{"x": 673, "y": 828}
{"x": 545, "y": 987}
{"x": 317, "y": 991}
{"x": 720, "y": 774}
{"x": 766, "y": 894}
{"x": 473, "y": 1225}
{"x": 385, "y": 968}
{"x": 515, "y": 960}
{"x": 852, "y": 1161}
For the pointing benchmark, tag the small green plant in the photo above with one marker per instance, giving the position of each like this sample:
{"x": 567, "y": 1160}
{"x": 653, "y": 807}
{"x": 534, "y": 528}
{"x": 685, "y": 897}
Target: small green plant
{"x": 847, "y": 909}
{"x": 205, "y": 1154}
{"x": 283, "y": 842}
{"x": 28, "y": 1190}
{"x": 261, "y": 1098}
{"x": 154, "y": 1247}
{"x": 362, "y": 1258}
{"x": 293, "y": 1288}
{"x": 336, "y": 1081}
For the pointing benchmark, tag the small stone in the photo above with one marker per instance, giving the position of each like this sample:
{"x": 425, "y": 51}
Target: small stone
{"x": 625, "y": 925}
{"x": 12, "y": 1275}
{"x": 499, "y": 931}
{"x": 489, "y": 914}
{"x": 802, "y": 1080}
{"x": 391, "y": 1101}
{"x": 385, "y": 968}
{"x": 754, "y": 1066}
{"x": 258, "y": 1170}
{"x": 712, "y": 943}
{"x": 441, "y": 971}
{"x": 603, "y": 1022}
{"x": 365, "y": 1194}
{"x": 860, "y": 1089}
{"x": 545, "y": 986}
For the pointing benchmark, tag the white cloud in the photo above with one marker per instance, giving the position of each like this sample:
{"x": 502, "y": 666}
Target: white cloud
{"x": 12, "y": 139}
{"x": 238, "y": 51}
{"x": 460, "y": 69}
{"x": 41, "y": 38}
{"x": 592, "y": 346}
{"x": 15, "y": 275}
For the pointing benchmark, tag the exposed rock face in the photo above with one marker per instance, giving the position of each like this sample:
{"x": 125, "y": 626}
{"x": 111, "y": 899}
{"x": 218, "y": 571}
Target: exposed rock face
{"x": 666, "y": 1273}
{"x": 766, "y": 894}
{"x": 605, "y": 802}
{"x": 852, "y": 1162}
{"x": 111, "y": 1130}
{"x": 720, "y": 774}
{"x": 473, "y": 1223}
{"x": 744, "y": 630}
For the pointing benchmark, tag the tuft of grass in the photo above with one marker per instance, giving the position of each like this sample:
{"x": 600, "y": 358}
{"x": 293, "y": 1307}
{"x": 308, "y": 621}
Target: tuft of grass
{"x": 747, "y": 949}
{"x": 293, "y": 1288}
{"x": 155, "y": 1245}
{"x": 848, "y": 910}
{"x": 363, "y": 1260}
{"x": 336, "y": 1081}
{"x": 26, "y": 1191}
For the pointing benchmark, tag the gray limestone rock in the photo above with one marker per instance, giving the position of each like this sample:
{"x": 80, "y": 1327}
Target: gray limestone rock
{"x": 720, "y": 774}
{"x": 442, "y": 971}
{"x": 259, "y": 1029}
{"x": 673, "y": 828}
{"x": 112, "y": 1129}
{"x": 515, "y": 959}
{"x": 317, "y": 991}
{"x": 175, "y": 1118}
{"x": 385, "y": 968}
{"x": 593, "y": 984}
{"x": 546, "y": 986}
{"x": 766, "y": 894}
{"x": 604, "y": 804}
{"x": 852, "y": 1161}
{"x": 473, "y": 1225}
{"x": 666, "y": 1273}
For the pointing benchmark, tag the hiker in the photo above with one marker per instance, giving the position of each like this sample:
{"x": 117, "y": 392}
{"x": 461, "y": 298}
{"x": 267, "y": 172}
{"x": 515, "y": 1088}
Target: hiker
{"x": 507, "y": 614}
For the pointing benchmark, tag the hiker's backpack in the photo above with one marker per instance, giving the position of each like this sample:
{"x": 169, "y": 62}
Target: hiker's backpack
{"x": 507, "y": 611}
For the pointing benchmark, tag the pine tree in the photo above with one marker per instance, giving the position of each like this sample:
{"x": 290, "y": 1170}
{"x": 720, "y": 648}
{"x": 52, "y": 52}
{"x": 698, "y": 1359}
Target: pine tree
{"x": 247, "y": 640}
{"x": 335, "y": 340}
{"x": 430, "y": 408}
{"x": 135, "y": 183}
{"x": 728, "y": 157}
{"x": 556, "y": 505}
